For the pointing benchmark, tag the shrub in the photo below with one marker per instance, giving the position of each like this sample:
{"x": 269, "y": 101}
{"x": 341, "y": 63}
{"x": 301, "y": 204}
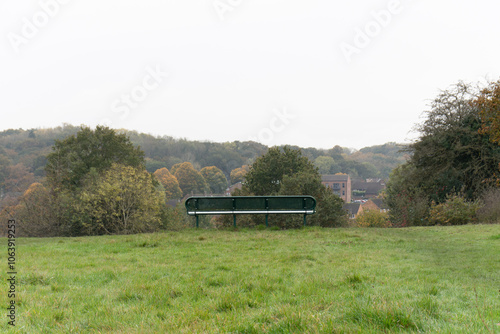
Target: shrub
{"x": 175, "y": 218}
{"x": 225, "y": 221}
{"x": 408, "y": 203}
{"x": 490, "y": 211}
{"x": 456, "y": 210}
{"x": 373, "y": 218}
{"x": 35, "y": 213}
{"x": 122, "y": 200}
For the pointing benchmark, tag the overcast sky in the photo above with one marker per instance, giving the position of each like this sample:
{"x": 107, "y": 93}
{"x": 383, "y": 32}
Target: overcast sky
{"x": 312, "y": 73}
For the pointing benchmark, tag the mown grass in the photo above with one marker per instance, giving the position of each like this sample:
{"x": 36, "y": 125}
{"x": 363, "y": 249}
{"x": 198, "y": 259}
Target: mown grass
{"x": 432, "y": 280}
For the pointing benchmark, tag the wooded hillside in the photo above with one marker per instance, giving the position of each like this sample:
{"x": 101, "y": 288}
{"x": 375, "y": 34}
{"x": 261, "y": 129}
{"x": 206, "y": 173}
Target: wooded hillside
{"x": 23, "y": 155}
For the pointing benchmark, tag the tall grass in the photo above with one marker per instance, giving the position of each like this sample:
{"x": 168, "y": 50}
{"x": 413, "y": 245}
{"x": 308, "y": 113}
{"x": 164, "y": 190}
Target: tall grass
{"x": 434, "y": 279}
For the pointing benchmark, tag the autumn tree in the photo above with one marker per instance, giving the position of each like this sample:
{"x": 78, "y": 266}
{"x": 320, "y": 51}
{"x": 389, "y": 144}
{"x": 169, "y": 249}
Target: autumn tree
{"x": 215, "y": 179}
{"x": 488, "y": 103}
{"x": 17, "y": 178}
{"x": 4, "y": 164}
{"x": 190, "y": 180}
{"x": 238, "y": 174}
{"x": 34, "y": 212}
{"x": 169, "y": 183}
{"x": 373, "y": 218}
{"x": 121, "y": 200}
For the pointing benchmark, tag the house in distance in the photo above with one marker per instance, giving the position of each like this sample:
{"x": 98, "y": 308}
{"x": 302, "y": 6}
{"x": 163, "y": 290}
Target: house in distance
{"x": 340, "y": 184}
{"x": 366, "y": 189}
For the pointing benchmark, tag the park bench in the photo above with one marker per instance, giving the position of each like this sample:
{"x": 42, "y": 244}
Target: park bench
{"x": 244, "y": 205}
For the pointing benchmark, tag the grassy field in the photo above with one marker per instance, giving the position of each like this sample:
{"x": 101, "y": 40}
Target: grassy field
{"x": 421, "y": 280}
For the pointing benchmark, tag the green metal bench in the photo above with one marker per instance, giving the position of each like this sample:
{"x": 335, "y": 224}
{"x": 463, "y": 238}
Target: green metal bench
{"x": 243, "y": 205}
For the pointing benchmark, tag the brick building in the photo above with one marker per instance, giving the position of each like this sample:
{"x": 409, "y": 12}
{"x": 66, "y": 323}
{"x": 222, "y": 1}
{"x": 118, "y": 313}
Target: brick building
{"x": 340, "y": 184}
{"x": 365, "y": 189}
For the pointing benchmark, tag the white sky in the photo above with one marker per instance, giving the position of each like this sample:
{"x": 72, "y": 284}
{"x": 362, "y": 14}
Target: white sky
{"x": 234, "y": 65}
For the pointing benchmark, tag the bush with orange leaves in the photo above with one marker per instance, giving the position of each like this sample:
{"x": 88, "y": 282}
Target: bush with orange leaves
{"x": 373, "y": 218}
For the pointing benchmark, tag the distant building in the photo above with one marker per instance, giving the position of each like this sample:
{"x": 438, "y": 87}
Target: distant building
{"x": 340, "y": 184}
{"x": 369, "y": 188}
{"x": 353, "y": 209}
{"x": 375, "y": 204}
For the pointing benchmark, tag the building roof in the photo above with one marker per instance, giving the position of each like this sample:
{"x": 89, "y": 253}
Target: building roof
{"x": 370, "y": 188}
{"x": 370, "y": 205}
{"x": 380, "y": 203}
{"x": 352, "y": 208}
{"x": 375, "y": 204}
{"x": 334, "y": 178}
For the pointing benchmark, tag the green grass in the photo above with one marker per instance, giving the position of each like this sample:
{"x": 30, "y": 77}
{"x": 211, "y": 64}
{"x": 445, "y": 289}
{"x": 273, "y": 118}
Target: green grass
{"x": 421, "y": 280}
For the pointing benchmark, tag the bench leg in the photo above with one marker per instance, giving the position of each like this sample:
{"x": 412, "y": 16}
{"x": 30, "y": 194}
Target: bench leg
{"x": 234, "y": 220}
{"x": 267, "y": 220}
{"x": 305, "y": 220}
{"x": 197, "y": 221}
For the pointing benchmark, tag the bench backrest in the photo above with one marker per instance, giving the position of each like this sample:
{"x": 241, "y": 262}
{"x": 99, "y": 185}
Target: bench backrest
{"x": 218, "y": 205}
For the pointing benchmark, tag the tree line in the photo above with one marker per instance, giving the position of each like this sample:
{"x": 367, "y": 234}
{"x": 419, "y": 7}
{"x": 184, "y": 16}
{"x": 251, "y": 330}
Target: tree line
{"x": 23, "y": 156}
{"x": 97, "y": 183}
{"x": 24, "y": 159}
